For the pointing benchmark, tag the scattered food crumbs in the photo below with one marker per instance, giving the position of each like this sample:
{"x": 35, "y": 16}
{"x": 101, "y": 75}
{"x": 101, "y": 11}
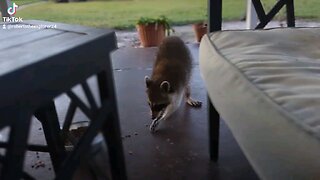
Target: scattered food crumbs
{"x": 130, "y": 152}
{"x": 128, "y": 136}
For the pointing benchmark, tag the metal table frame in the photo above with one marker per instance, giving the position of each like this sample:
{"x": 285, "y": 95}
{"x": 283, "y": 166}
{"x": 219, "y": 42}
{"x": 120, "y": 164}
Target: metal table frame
{"x": 30, "y": 89}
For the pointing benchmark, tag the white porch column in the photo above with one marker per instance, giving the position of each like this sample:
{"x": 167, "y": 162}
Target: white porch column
{"x": 4, "y": 4}
{"x": 251, "y": 19}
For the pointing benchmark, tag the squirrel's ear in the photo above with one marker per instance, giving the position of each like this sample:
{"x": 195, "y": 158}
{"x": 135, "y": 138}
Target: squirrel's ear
{"x": 165, "y": 86}
{"x": 148, "y": 81}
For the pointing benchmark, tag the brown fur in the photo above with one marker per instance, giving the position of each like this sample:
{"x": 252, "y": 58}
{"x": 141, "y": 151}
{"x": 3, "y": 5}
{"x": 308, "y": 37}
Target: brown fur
{"x": 169, "y": 80}
{"x": 173, "y": 64}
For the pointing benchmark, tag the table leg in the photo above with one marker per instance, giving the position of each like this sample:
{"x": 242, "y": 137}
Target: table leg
{"x": 111, "y": 133}
{"x": 17, "y": 145}
{"x": 47, "y": 115}
{"x": 111, "y": 129}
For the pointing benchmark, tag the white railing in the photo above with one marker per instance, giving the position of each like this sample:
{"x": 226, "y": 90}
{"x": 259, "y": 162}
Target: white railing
{"x": 251, "y": 19}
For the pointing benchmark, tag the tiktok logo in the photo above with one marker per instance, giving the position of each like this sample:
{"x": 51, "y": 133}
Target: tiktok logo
{"x": 12, "y": 9}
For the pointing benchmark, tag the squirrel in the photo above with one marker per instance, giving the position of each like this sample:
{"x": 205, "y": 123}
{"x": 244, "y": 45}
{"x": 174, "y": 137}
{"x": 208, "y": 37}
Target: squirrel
{"x": 169, "y": 81}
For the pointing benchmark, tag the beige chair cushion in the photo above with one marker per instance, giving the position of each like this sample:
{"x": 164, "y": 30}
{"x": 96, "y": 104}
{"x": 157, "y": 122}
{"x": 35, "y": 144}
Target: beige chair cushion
{"x": 266, "y": 86}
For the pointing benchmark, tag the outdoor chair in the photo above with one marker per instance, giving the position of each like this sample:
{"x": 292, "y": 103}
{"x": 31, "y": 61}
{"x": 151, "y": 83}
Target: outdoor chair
{"x": 265, "y": 86}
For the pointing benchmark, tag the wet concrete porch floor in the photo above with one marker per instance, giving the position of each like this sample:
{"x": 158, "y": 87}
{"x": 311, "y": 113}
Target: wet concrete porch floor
{"x": 179, "y": 148}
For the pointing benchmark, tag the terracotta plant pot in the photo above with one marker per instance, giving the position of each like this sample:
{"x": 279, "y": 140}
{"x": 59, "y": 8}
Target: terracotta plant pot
{"x": 151, "y": 34}
{"x": 200, "y": 29}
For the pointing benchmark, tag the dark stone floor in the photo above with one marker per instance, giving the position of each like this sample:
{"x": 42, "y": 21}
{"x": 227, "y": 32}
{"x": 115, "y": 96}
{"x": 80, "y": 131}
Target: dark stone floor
{"x": 178, "y": 150}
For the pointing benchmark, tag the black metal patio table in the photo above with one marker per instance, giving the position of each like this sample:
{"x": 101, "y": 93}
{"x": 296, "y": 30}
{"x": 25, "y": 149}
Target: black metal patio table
{"x": 36, "y": 65}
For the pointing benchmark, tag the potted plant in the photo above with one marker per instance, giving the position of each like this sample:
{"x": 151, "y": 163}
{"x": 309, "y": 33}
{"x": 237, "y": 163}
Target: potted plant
{"x": 200, "y": 29}
{"x": 153, "y": 30}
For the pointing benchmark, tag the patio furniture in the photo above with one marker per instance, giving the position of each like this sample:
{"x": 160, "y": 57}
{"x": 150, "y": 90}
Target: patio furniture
{"x": 265, "y": 85}
{"x": 214, "y": 24}
{"x": 39, "y": 64}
